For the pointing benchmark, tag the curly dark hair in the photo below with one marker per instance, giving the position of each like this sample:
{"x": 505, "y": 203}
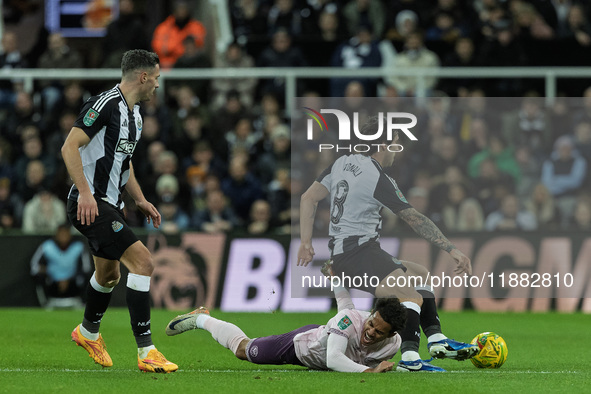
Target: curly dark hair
{"x": 138, "y": 59}
{"x": 392, "y": 311}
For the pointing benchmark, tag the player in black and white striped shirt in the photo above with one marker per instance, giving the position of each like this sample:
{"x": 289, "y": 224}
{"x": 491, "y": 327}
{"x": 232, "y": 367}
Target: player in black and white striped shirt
{"x": 98, "y": 154}
{"x": 359, "y": 188}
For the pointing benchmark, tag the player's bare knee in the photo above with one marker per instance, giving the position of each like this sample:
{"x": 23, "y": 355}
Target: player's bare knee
{"x": 112, "y": 282}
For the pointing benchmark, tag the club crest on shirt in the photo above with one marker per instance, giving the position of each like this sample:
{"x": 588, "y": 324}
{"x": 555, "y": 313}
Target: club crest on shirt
{"x": 117, "y": 226}
{"x": 344, "y": 322}
{"x": 139, "y": 124}
{"x": 90, "y": 117}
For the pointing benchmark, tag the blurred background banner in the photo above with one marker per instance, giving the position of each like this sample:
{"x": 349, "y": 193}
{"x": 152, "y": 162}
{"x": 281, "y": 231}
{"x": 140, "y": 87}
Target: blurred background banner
{"x": 236, "y": 273}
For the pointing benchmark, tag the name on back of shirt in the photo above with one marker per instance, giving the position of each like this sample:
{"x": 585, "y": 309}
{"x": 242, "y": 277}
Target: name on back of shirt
{"x": 354, "y": 169}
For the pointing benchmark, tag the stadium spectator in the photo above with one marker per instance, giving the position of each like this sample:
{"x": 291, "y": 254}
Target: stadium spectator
{"x": 457, "y": 196}
{"x": 22, "y": 114}
{"x": 186, "y": 102}
{"x": 6, "y": 170}
{"x": 194, "y": 57}
{"x": 358, "y": 52}
{"x": 510, "y": 217}
{"x": 43, "y": 213}
{"x": 503, "y": 49}
{"x": 243, "y": 137}
{"x": 73, "y": 97}
{"x": 577, "y": 27}
{"x": 462, "y": 56}
{"x": 224, "y": 120}
{"x": 249, "y": 19}
{"x": 369, "y": 13}
{"x": 241, "y": 188}
{"x": 582, "y": 140}
{"x": 234, "y": 57}
{"x": 541, "y": 204}
{"x": 475, "y": 132}
{"x": 470, "y": 216}
{"x": 33, "y": 152}
{"x": 56, "y": 138}
{"x": 582, "y": 215}
{"x": 260, "y": 218}
{"x": 502, "y": 155}
{"x": 445, "y": 28}
{"x": 60, "y": 267}
{"x": 530, "y": 24}
{"x": 529, "y": 125}
{"x": 278, "y": 157}
{"x": 406, "y": 21}
{"x": 11, "y": 205}
{"x": 414, "y": 55}
{"x": 58, "y": 55}
{"x": 444, "y": 153}
{"x": 529, "y": 170}
{"x": 563, "y": 174}
{"x": 217, "y": 216}
{"x": 10, "y": 58}
{"x": 279, "y": 197}
{"x": 489, "y": 184}
{"x": 168, "y": 37}
{"x": 204, "y": 158}
{"x": 124, "y": 33}
{"x": 284, "y": 14}
{"x": 281, "y": 53}
{"x": 327, "y": 34}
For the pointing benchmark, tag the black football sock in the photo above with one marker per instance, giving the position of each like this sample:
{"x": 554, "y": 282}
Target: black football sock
{"x": 97, "y": 302}
{"x": 411, "y": 334}
{"x": 429, "y": 318}
{"x": 138, "y": 303}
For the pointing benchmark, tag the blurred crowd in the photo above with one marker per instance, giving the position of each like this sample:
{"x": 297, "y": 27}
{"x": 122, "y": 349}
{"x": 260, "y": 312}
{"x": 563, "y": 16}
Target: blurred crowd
{"x": 215, "y": 155}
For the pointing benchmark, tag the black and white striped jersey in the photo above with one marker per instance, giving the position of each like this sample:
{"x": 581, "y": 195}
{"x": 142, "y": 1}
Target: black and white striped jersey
{"x": 359, "y": 188}
{"x": 114, "y": 130}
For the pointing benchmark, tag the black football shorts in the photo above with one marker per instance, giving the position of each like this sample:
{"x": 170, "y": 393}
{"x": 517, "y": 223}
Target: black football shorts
{"x": 109, "y": 236}
{"x": 368, "y": 259}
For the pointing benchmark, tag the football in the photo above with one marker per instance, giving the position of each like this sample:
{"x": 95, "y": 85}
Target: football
{"x": 493, "y": 350}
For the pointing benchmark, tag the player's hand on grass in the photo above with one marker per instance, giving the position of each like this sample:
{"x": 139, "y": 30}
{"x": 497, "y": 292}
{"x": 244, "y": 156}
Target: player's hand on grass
{"x": 87, "y": 208}
{"x": 384, "y": 366}
{"x": 463, "y": 262}
{"x": 305, "y": 254}
{"x": 150, "y": 212}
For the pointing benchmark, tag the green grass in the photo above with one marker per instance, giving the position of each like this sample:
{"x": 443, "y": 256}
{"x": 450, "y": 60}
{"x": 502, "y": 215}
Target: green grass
{"x": 546, "y": 354}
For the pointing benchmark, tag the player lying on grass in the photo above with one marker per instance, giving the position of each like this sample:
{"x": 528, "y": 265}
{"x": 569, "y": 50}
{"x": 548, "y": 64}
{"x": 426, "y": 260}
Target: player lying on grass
{"x": 352, "y": 341}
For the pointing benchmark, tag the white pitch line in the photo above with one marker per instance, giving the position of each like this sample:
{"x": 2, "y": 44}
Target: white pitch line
{"x": 30, "y": 370}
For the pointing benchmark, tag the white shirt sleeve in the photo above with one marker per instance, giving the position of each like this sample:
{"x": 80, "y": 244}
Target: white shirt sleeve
{"x": 335, "y": 355}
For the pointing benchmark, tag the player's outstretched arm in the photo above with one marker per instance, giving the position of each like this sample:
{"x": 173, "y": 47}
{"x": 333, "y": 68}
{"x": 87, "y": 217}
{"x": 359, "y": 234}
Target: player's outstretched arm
{"x": 424, "y": 227}
{"x": 308, "y": 205}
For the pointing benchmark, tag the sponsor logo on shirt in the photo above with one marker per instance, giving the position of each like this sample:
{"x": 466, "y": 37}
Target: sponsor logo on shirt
{"x": 126, "y": 146}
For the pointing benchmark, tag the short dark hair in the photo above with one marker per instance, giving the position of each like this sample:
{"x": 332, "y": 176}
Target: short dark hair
{"x": 392, "y": 311}
{"x": 370, "y": 127}
{"x": 138, "y": 59}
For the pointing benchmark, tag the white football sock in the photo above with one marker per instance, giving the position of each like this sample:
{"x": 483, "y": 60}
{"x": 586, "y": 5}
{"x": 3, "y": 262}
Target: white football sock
{"x": 226, "y": 334}
{"x": 142, "y": 352}
{"x": 93, "y": 336}
{"x": 436, "y": 338}
{"x": 410, "y": 356}
{"x": 200, "y": 320}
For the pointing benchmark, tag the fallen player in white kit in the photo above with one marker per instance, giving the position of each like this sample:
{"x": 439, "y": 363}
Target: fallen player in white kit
{"x": 352, "y": 341}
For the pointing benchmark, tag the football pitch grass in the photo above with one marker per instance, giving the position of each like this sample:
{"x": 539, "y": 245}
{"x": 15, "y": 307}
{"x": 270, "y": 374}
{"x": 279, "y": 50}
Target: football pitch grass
{"x": 547, "y": 353}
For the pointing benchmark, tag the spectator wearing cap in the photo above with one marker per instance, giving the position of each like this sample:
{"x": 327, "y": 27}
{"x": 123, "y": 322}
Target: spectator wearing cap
{"x": 168, "y": 37}
{"x": 563, "y": 174}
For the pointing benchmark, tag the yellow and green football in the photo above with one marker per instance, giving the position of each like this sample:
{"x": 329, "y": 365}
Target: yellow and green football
{"x": 493, "y": 350}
